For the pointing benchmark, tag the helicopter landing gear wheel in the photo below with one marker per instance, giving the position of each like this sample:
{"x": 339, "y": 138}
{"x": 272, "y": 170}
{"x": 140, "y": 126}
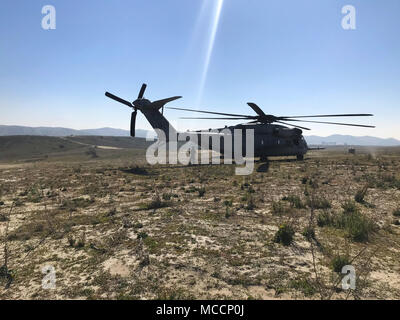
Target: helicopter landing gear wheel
{"x": 300, "y": 157}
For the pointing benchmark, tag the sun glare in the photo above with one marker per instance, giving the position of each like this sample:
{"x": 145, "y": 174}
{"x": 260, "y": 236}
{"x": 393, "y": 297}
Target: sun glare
{"x": 210, "y": 46}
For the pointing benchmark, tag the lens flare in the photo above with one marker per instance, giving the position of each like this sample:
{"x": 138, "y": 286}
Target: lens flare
{"x": 211, "y": 41}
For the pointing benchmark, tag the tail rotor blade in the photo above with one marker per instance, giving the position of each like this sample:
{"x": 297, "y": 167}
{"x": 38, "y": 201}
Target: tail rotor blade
{"x": 133, "y": 123}
{"x": 111, "y": 96}
{"x": 142, "y": 90}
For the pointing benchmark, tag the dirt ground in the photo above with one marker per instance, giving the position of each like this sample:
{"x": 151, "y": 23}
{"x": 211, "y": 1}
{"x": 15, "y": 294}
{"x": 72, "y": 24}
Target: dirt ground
{"x": 113, "y": 227}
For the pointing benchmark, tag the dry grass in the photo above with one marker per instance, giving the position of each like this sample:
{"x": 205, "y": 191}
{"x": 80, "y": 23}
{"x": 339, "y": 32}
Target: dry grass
{"x": 115, "y": 228}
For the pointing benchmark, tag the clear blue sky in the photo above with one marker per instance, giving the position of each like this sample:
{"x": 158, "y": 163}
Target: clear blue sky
{"x": 290, "y": 57}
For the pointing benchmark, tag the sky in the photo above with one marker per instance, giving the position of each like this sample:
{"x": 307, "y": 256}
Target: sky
{"x": 289, "y": 57}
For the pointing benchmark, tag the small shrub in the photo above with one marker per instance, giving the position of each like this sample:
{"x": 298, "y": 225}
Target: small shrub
{"x": 126, "y": 223}
{"x": 18, "y": 202}
{"x": 338, "y": 262}
{"x": 326, "y": 219}
{"x": 349, "y": 207}
{"x": 145, "y": 261}
{"x": 396, "y": 213}
{"x": 166, "y": 196}
{"x": 155, "y": 203}
{"x": 294, "y": 201}
{"x": 277, "y": 207}
{"x": 112, "y": 212}
{"x": 304, "y": 286}
{"x": 228, "y": 212}
{"x": 312, "y": 183}
{"x": 244, "y": 185}
{"x": 309, "y": 233}
{"x": 360, "y": 194}
{"x": 135, "y": 170}
{"x": 191, "y": 189}
{"x": 142, "y": 235}
{"x": 71, "y": 241}
{"x": 81, "y": 241}
{"x": 152, "y": 244}
{"x": 251, "y": 205}
{"x": 319, "y": 203}
{"x": 138, "y": 225}
{"x": 284, "y": 235}
{"x": 228, "y": 203}
{"x": 34, "y": 194}
{"x": 358, "y": 227}
{"x": 201, "y": 191}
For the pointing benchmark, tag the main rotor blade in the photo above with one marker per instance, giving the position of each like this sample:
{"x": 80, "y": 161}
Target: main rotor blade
{"x": 110, "y": 95}
{"x": 289, "y": 124}
{"x": 337, "y": 123}
{"x": 211, "y": 112}
{"x": 256, "y": 109}
{"x": 331, "y": 115}
{"x": 214, "y": 118}
{"x": 142, "y": 90}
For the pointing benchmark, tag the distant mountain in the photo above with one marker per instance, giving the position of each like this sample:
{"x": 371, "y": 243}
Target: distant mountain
{"x": 338, "y": 139}
{"x": 335, "y": 139}
{"x": 63, "y": 132}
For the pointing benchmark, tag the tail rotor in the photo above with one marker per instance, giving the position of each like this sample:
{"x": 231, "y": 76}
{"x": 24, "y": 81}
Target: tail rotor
{"x": 141, "y": 104}
{"x": 134, "y": 105}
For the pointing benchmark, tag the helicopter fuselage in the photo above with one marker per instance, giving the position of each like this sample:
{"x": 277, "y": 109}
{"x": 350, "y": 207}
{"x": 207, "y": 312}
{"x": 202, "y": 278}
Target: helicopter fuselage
{"x": 269, "y": 140}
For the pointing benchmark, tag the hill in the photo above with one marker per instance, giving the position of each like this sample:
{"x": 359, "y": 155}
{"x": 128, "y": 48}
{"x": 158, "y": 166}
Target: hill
{"x": 338, "y": 139}
{"x": 31, "y": 147}
{"x": 63, "y": 132}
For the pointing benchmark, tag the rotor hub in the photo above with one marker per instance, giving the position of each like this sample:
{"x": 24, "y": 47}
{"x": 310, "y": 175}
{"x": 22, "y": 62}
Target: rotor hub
{"x": 140, "y": 103}
{"x": 267, "y": 118}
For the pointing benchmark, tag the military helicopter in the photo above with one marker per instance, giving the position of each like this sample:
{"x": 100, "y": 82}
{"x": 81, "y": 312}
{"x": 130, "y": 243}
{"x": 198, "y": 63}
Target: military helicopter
{"x": 273, "y": 135}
